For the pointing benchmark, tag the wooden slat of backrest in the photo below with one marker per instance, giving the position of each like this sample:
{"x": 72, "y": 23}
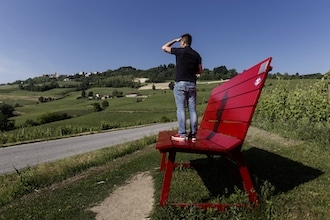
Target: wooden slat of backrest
{"x": 233, "y": 115}
{"x": 244, "y": 100}
{"x": 254, "y": 83}
{"x": 235, "y": 129}
{"x": 261, "y": 69}
{"x": 238, "y": 130}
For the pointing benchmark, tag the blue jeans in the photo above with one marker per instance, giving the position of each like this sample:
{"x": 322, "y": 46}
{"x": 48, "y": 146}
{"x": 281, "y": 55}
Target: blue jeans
{"x": 185, "y": 92}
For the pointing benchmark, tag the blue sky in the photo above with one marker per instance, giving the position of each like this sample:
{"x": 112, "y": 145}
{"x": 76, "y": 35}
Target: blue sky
{"x": 68, "y": 36}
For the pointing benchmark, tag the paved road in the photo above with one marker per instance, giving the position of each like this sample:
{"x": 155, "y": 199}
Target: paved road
{"x": 27, "y": 155}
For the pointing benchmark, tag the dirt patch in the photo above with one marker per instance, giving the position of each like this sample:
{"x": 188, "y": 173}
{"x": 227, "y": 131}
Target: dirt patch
{"x": 19, "y": 97}
{"x": 149, "y": 86}
{"x": 131, "y": 201}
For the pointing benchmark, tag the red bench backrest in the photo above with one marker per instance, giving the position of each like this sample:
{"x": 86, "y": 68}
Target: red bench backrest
{"x": 231, "y": 105}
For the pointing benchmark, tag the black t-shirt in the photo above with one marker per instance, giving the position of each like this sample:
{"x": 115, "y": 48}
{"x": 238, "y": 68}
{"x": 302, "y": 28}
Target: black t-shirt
{"x": 187, "y": 62}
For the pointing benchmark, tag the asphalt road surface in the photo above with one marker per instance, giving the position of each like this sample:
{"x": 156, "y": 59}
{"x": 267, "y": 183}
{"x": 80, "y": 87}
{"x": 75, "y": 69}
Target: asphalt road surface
{"x": 28, "y": 155}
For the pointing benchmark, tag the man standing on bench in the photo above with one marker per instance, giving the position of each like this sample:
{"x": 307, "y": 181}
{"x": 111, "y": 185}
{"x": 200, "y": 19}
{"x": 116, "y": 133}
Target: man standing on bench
{"x": 188, "y": 64}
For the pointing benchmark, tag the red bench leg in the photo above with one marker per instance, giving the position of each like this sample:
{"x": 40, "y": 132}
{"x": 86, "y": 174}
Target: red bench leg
{"x": 167, "y": 177}
{"x": 246, "y": 178}
{"x": 248, "y": 185}
{"x": 163, "y": 162}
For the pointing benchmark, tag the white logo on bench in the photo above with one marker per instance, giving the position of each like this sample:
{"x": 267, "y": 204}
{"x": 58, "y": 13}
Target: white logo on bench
{"x": 258, "y": 81}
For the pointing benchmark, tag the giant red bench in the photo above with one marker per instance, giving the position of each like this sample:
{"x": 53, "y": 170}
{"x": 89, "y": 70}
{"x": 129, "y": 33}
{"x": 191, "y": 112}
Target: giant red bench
{"x": 222, "y": 130}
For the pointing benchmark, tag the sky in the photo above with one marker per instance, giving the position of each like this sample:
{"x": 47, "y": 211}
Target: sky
{"x": 69, "y": 36}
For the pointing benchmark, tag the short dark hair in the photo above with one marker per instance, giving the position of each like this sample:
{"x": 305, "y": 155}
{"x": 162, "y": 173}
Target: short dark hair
{"x": 187, "y": 38}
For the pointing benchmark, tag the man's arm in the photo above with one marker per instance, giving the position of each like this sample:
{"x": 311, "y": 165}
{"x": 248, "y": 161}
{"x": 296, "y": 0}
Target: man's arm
{"x": 200, "y": 69}
{"x": 167, "y": 47}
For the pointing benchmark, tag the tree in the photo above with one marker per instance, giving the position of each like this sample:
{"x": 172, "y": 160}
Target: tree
{"x": 232, "y": 73}
{"x": 97, "y": 107}
{"x": 105, "y": 104}
{"x": 171, "y": 85}
{"x": 83, "y": 93}
{"x": 3, "y": 122}
{"x": 41, "y": 99}
{"x": 220, "y": 73}
{"x": 6, "y": 111}
{"x": 116, "y": 93}
{"x": 90, "y": 94}
{"x": 171, "y": 66}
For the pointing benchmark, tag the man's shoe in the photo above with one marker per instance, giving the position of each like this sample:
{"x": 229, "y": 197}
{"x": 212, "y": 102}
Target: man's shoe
{"x": 191, "y": 137}
{"x": 178, "y": 137}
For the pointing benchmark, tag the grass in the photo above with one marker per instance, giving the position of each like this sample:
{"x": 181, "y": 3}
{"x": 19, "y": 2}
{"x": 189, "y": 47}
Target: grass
{"x": 291, "y": 84}
{"x": 291, "y": 178}
{"x": 14, "y": 186}
{"x": 73, "y": 200}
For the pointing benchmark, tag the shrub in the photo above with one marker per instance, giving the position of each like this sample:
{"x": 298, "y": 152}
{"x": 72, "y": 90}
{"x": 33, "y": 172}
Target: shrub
{"x": 30, "y": 122}
{"x": 97, "y": 107}
{"x": 303, "y": 112}
{"x": 105, "y": 104}
{"x": 164, "y": 119}
{"x": 107, "y": 126}
{"x": 5, "y": 123}
{"x": 53, "y": 116}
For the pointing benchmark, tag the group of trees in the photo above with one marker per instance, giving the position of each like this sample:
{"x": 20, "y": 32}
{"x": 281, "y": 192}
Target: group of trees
{"x": 298, "y": 76}
{"x": 125, "y": 77}
{"x": 32, "y": 85}
{"x": 122, "y": 77}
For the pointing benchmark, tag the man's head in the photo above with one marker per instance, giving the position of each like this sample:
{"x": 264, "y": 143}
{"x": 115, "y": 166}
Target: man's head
{"x": 186, "y": 40}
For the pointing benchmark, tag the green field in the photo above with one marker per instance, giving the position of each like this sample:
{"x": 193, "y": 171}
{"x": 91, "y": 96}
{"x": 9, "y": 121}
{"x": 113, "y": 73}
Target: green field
{"x": 289, "y": 102}
{"x": 154, "y": 106}
{"x": 289, "y": 162}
